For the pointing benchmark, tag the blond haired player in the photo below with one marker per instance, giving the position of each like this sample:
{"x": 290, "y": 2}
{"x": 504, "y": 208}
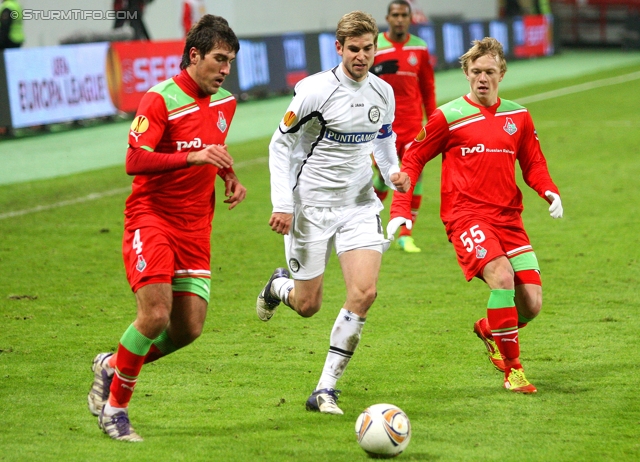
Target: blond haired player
{"x": 322, "y": 193}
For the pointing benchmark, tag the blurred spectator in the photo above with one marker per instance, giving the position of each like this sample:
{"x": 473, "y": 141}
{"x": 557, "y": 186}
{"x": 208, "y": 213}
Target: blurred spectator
{"x": 11, "y": 33}
{"x": 135, "y": 11}
{"x": 417, "y": 15}
{"x": 120, "y": 7}
{"x": 192, "y": 11}
{"x": 541, "y": 7}
{"x": 512, "y": 8}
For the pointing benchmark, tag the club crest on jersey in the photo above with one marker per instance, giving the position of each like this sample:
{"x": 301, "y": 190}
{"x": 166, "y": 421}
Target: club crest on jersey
{"x": 413, "y": 59}
{"x": 481, "y": 252}
{"x": 289, "y": 118}
{"x": 422, "y": 135}
{"x": 374, "y": 114}
{"x": 222, "y": 122}
{"x": 139, "y": 125}
{"x": 510, "y": 126}
{"x": 142, "y": 264}
{"x": 294, "y": 265}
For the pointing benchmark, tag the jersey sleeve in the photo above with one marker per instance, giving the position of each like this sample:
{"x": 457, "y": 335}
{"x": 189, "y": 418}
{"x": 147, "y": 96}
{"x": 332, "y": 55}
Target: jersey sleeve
{"x": 150, "y": 122}
{"x": 145, "y": 133}
{"x": 427, "y": 84}
{"x": 430, "y": 141}
{"x": 533, "y": 163}
{"x": 282, "y": 144}
{"x": 384, "y": 146}
{"x": 142, "y": 162}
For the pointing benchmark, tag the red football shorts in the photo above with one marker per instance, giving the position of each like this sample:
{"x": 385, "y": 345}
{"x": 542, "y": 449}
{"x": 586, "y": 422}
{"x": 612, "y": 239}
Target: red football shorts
{"x": 155, "y": 255}
{"x": 477, "y": 242}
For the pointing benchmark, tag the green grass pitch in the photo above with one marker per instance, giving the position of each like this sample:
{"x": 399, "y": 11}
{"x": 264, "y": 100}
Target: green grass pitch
{"x": 238, "y": 393}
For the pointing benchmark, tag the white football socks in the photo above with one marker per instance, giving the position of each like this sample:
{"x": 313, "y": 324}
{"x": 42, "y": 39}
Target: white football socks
{"x": 110, "y": 410}
{"x": 281, "y": 287}
{"x": 344, "y": 340}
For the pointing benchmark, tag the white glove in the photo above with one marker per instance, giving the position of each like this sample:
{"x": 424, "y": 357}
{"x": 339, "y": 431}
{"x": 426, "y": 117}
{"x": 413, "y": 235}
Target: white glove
{"x": 394, "y": 224}
{"x": 555, "y": 209}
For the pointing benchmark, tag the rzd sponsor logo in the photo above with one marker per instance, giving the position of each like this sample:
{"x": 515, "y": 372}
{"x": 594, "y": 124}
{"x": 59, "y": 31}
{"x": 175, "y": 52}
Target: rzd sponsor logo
{"x": 478, "y": 148}
{"x": 196, "y": 143}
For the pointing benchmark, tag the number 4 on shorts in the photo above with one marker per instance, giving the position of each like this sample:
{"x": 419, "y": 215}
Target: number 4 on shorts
{"x": 137, "y": 242}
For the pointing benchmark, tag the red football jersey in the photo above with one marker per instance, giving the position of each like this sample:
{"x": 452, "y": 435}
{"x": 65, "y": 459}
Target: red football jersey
{"x": 174, "y": 118}
{"x": 479, "y": 147}
{"x": 413, "y": 83}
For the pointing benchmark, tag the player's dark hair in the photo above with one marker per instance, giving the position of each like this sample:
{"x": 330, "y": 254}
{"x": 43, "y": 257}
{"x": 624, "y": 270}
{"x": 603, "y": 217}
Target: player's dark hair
{"x": 399, "y": 2}
{"x": 208, "y": 33}
{"x": 356, "y": 24}
{"x": 486, "y": 46}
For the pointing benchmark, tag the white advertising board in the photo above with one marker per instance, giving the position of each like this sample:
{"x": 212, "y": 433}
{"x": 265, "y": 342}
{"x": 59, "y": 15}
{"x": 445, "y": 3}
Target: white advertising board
{"x": 57, "y": 84}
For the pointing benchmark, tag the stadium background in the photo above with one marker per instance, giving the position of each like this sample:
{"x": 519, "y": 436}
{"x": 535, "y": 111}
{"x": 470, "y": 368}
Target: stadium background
{"x": 237, "y": 394}
{"x": 248, "y": 17}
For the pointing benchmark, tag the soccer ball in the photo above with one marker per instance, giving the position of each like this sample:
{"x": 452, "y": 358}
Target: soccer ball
{"x": 383, "y": 431}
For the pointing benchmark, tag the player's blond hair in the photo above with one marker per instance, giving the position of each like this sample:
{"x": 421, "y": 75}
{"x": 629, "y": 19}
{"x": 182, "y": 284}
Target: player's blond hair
{"x": 356, "y": 24}
{"x": 486, "y": 46}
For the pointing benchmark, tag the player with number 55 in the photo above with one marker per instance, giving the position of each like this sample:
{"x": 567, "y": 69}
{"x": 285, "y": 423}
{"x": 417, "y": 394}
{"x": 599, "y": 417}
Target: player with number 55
{"x": 481, "y": 137}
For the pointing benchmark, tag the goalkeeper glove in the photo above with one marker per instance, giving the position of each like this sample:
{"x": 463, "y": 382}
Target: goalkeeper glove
{"x": 385, "y": 67}
{"x": 555, "y": 209}
{"x": 394, "y": 224}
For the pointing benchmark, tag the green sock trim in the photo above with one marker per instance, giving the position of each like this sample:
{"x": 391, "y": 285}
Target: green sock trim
{"x": 135, "y": 342}
{"x": 523, "y": 320}
{"x": 199, "y": 286}
{"x": 417, "y": 190}
{"x": 501, "y": 298}
{"x": 164, "y": 343}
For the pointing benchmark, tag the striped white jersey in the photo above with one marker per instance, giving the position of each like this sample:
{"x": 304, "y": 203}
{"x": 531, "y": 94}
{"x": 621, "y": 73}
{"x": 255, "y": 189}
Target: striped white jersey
{"x": 320, "y": 155}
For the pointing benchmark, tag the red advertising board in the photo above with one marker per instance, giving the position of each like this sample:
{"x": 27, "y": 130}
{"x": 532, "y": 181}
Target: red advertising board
{"x": 134, "y": 67}
{"x": 537, "y": 37}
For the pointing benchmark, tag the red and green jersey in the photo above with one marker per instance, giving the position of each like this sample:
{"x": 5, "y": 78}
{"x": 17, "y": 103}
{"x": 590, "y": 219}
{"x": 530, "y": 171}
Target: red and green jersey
{"x": 174, "y": 118}
{"x": 413, "y": 84}
{"x": 479, "y": 146}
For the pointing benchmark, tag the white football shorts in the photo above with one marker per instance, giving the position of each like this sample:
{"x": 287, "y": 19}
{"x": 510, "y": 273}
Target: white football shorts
{"x": 315, "y": 231}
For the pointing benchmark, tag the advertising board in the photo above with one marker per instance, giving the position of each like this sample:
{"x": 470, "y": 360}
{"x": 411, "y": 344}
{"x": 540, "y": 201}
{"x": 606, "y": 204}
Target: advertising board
{"x": 56, "y": 84}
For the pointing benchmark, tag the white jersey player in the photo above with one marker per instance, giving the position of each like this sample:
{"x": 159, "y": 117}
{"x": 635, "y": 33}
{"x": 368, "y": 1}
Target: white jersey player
{"x": 321, "y": 153}
{"x": 322, "y": 193}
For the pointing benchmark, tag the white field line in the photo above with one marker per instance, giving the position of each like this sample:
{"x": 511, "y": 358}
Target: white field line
{"x": 42, "y": 208}
{"x": 579, "y": 88}
{"x": 96, "y": 196}
{"x": 261, "y": 160}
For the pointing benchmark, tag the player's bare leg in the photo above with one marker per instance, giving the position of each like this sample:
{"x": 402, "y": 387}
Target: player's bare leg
{"x": 154, "y": 310}
{"x": 187, "y": 319}
{"x": 528, "y": 302}
{"x": 360, "y": 269}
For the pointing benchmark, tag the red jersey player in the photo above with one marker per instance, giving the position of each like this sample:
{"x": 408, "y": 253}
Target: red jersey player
{"x": 176, "y": 149}
{"x": 480, "y": 137}
{"x": 402, "y": 60}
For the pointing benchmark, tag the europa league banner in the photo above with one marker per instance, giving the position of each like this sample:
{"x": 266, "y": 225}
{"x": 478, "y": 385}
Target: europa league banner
{"x": 134, "y": 67}
{"x": 57, "y": 84}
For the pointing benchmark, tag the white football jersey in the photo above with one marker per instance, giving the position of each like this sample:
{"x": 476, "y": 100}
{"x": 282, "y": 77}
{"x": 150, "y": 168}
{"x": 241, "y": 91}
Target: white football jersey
{"x": 320, "y": 155}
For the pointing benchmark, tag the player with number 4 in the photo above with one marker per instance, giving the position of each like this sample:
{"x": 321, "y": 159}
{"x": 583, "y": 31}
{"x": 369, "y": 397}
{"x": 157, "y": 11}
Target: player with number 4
{"x": 481, "y": 137}
{"x": 176, "y": 150}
